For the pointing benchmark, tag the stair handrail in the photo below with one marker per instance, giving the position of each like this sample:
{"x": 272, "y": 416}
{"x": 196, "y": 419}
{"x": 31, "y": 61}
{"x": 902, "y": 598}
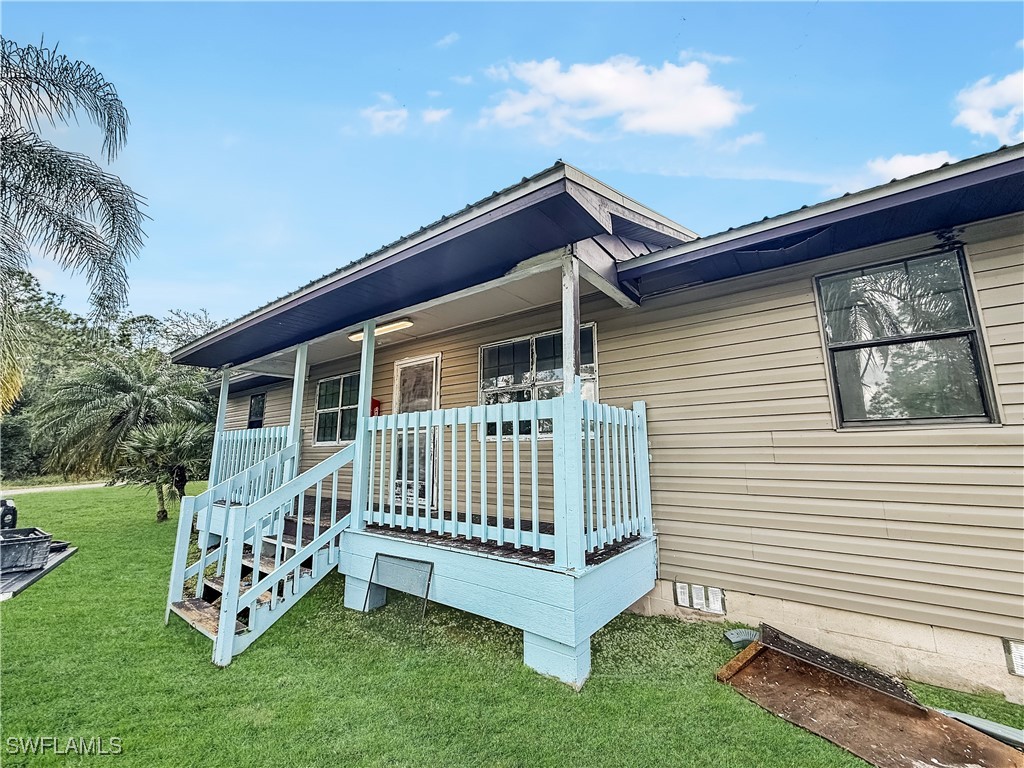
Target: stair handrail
{"x": 267, "y": 503}
{"x": 253, "y": 479}
{"x": 251, "y": 594}
{"x": 245, "y": 522}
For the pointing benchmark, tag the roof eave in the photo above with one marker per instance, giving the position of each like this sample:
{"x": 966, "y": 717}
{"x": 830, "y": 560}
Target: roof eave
{"x": 1000, "y": 163}
{"x": 605, "y": 206}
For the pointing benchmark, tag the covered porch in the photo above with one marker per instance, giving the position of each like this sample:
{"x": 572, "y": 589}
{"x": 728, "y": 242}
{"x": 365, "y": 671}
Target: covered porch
{"x": 531, "y": 505}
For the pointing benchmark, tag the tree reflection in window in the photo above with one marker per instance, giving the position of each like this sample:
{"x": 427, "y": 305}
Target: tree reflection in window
{"x": 903, "y": 342}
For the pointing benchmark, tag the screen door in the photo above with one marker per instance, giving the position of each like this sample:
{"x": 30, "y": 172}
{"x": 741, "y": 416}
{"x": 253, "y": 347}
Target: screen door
{"x": 417, "y": 384}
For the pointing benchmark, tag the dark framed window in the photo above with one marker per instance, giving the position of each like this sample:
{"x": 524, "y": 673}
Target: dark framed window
{"x": 530, "y": 368}
{"x": 336, "y": 401}
{"x": 903, "y": 343}
{"x": 257, "y": 406}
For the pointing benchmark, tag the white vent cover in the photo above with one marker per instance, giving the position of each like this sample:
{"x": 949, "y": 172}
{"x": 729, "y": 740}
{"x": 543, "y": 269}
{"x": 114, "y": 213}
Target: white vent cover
{"x": 1014, "y": 655}
{"x": 699, "y": 597}
{"x": 682, "y": 593}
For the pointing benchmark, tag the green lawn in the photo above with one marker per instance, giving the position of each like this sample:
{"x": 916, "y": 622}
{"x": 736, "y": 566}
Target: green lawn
{"x": 85, "y": 653}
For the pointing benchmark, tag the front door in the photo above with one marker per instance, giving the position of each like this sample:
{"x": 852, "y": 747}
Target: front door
{"x": 417, "y": 388}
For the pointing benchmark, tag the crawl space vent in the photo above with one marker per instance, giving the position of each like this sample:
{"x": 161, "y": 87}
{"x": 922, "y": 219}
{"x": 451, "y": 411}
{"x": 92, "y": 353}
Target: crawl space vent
{"x": 1014, "y": 655}
{"x": 699, "y": 597}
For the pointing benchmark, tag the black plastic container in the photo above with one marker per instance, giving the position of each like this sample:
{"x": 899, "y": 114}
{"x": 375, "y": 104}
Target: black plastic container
{"x": 23, "y": 549}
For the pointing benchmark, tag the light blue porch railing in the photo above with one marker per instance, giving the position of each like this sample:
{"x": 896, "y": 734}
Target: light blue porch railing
{"x": 564, "y": 477}
{"x": 242, "y": 526}
{"x": 238, "y": 449}
{"x": 448, "y": 472}
{"x": 616, "y": 474}
{"x": 208, "y": 513}
{"x": 280, "y": 574}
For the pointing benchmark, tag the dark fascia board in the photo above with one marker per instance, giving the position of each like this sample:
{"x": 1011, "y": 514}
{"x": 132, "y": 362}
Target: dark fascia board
{"x": 736, "y": 240}
{"x": 364, "y": 268}
{"x": 601, "y": 204}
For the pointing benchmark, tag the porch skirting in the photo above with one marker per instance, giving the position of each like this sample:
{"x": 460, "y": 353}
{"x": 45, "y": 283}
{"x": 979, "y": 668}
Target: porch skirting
{"x": 557, "y": 609}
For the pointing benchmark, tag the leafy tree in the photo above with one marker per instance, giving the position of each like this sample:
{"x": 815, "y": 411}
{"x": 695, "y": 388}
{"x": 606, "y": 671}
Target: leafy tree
{"x": 166, "y": 456}
{"x": 64, "y": 203}
{"x": 181, "y": 327}
{"x": 140, "y": 332}
{"x": 57, "y": 343}
{"x": 92, "y": 412}
{"x": 54, "y": 342}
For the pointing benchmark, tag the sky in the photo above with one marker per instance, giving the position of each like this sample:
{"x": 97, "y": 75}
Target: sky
{"x": 276, "y": 142}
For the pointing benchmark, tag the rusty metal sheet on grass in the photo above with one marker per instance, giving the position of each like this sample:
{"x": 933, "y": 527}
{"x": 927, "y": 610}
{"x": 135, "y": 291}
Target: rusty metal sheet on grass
{"x": 886, "y": 731}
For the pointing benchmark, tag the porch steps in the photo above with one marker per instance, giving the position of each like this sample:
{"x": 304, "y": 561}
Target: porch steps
{"x": 267, "y": 565}
{"x": 216, "y": 583}
{"x": 202, "y": 616}
{"x": 287, "y": 541}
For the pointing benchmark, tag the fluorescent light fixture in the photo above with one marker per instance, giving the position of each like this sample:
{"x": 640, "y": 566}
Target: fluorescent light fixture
{"x": 394, "y": 325}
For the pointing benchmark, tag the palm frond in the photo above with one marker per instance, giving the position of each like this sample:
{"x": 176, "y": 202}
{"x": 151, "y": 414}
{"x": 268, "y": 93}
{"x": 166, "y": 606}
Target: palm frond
{"x": 87, "y": 219}
{"x": 39, "y": 84}
{"x": 91, "y": 415}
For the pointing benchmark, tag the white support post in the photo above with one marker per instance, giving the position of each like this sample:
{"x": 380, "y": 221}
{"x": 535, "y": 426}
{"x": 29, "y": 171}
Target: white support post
{"x": 360, "y": 473}
{"x": 570, "y": 551}
{"x": 218, "y": 430}
{"x": 570, "y": 322}
{"x": 295, "y": 417}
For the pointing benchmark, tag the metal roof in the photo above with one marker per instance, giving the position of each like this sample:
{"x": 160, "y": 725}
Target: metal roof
{"x": 971, "y": 190}
{"x": 482, "y": 242}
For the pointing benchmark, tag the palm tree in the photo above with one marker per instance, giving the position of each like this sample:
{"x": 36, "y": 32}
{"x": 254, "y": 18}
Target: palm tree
{"x": 91, "y": 414}
{"x": 165, "y": 456}
{"x": 61, "y": 202}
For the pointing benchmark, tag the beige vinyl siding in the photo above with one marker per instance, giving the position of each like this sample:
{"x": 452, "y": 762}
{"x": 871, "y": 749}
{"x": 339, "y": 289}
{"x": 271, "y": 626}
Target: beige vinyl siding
{"x": 276, "y": 412}
{"x": 755, "y": 490}
{"x": 999, "y": 284}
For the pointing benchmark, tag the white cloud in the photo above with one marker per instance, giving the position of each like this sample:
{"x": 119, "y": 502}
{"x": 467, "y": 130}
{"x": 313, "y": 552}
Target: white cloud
{"x": 901, "y": 166}
{"x": 670, "y": 99}
{"x": 990, "y": 108}
{"x": 462, "y": 79}
{"x": 746, "y": 140}
{"x": 498, "y": 72}
{"x": 450, "y": 39}
{"x": 433, "y": 94}
{"x": 386, "y": 117}
{"x": 435, "y": 115}
{"x": 885, "y": 169}
{"x": 708, "y": 58}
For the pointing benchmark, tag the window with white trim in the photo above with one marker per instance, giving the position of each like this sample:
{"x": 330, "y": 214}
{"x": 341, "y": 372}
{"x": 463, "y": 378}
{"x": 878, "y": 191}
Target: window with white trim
{"x": 336, "y": 401}
{"x": 530, "y": 368}
{"x": 903, "y": 343}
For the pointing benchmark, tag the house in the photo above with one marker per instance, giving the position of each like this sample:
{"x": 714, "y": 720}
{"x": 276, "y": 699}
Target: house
{"x": 558, "y": 404}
